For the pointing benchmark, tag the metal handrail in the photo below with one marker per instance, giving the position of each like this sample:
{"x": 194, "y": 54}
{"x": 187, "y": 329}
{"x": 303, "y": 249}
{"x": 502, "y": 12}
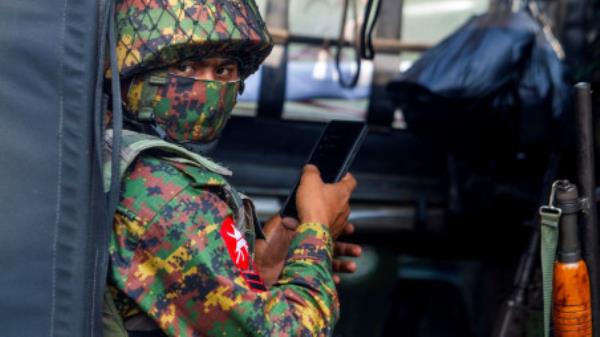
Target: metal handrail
{"x": 387, "y": 46}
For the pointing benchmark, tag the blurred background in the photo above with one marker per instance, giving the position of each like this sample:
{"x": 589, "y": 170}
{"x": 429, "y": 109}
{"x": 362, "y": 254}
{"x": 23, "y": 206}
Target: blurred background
{"x": 450, "y": 176}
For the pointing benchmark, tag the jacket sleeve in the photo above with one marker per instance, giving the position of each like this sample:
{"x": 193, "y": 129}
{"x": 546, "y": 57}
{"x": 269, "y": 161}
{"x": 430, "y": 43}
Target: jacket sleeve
{"x": 178, "y": 270}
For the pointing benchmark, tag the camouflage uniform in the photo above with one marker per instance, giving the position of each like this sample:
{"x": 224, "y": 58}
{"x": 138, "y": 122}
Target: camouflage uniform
{"x": 182, "y": 245}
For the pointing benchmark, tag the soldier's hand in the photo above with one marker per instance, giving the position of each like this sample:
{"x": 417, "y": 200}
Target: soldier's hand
{"x": 327, "y": 204}
{"x": 344, "y": 249}
{"x": 271, "y": 252}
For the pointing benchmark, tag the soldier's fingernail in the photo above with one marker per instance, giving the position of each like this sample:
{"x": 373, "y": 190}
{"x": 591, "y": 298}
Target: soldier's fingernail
{"x": 290, "y": 223}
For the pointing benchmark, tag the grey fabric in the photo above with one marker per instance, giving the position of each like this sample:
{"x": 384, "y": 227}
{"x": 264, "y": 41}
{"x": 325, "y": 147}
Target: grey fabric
{"x": 141, "y": 323}
{"x": 51, "y": 202}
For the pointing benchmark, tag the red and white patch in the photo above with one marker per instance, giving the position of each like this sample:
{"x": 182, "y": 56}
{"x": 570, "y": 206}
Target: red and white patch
{"x": 236, "y": 244}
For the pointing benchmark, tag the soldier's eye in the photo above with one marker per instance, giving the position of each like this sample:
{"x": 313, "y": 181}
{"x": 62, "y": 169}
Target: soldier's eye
{"x": 223, "y": 71}
{"x": 184, "y": 68}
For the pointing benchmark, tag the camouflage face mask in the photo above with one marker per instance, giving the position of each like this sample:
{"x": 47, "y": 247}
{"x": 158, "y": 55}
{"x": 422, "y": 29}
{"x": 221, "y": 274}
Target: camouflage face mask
{"x": 189, "y": 110}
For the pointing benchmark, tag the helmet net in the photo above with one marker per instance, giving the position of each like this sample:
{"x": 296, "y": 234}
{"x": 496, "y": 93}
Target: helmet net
{"x": 156, "y": 33}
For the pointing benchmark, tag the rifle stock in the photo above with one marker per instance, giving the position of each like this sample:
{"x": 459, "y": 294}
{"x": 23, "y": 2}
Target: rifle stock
{"x": 572, "y": 309}
{"x": 571, "y": 298}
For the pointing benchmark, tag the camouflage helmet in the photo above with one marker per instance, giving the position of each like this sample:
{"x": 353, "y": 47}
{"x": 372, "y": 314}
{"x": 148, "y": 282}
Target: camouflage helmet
{"x": 157, "y": 33}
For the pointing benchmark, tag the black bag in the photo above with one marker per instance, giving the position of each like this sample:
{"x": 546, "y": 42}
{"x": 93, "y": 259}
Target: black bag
{"x": 493, "y": 85}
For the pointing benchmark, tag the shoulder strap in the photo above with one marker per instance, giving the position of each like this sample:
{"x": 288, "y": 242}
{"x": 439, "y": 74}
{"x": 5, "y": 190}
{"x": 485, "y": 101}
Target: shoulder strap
{"x": 549, "y": 220}
{"x": 134, "y": 143}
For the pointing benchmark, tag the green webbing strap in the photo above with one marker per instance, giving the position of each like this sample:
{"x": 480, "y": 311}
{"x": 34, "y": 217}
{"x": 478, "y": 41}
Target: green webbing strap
{"x": 549, "y": 219}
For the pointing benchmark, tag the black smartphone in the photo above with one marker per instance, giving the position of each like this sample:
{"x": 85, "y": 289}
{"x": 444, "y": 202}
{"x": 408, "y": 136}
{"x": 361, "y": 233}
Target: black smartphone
{"x": 333, "y": 154}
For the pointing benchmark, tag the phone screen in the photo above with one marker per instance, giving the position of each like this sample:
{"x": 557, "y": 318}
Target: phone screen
{"x": 333, "y": 155}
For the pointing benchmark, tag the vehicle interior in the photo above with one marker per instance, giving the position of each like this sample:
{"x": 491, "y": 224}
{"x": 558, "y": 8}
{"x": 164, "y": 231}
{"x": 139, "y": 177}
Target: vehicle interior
{"x": 443, "y": 226}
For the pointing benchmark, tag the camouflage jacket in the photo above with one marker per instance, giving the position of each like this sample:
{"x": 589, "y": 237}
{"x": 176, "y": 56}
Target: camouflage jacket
{"x": 178, "y": 255}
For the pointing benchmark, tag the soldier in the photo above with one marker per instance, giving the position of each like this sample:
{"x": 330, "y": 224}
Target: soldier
{"x": 182, "y": 248}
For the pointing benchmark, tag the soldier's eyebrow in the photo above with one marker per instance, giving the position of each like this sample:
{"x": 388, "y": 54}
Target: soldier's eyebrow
{"x": 227, "y": 62}
{"x": 215, "y": 62}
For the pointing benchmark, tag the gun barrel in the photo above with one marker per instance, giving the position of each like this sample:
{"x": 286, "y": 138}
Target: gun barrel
{"x": 587, "y": 184}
